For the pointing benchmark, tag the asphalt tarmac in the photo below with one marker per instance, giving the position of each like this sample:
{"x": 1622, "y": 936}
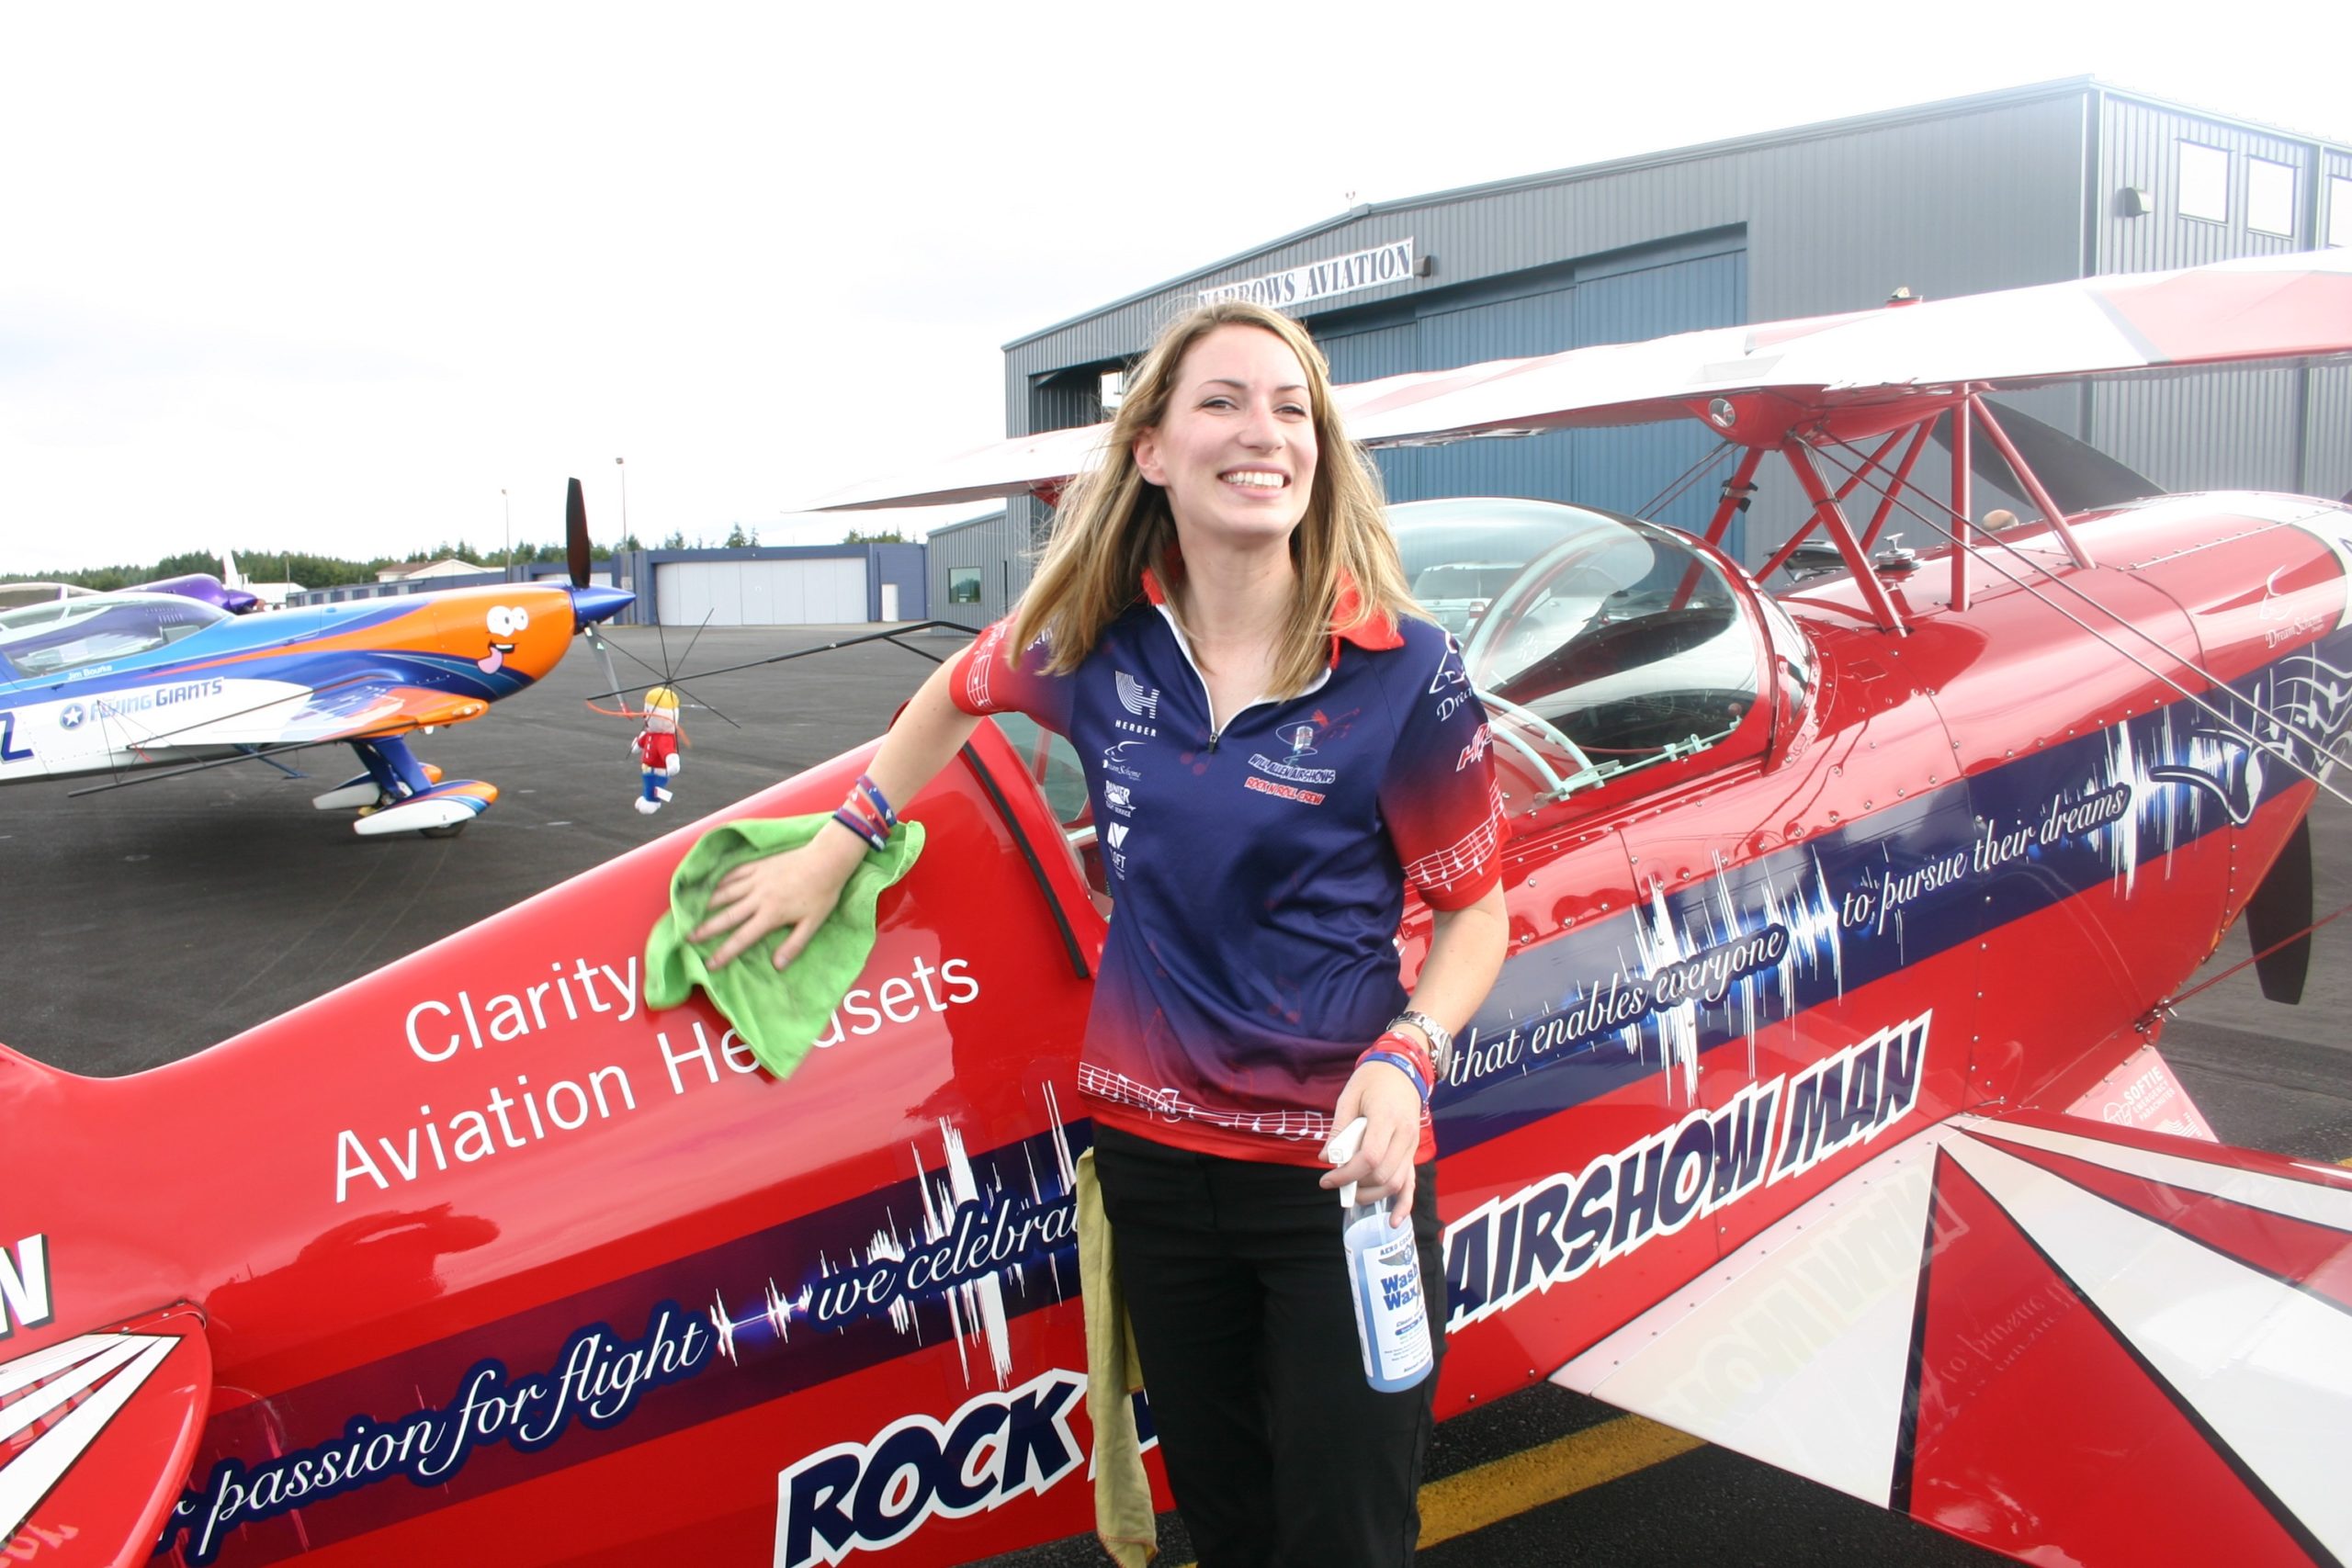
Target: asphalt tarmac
{"x": 145, "y": 923}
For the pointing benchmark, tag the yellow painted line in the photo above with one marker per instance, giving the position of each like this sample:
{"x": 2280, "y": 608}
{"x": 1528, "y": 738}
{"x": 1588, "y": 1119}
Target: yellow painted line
{"x": 1562, "y": 1467}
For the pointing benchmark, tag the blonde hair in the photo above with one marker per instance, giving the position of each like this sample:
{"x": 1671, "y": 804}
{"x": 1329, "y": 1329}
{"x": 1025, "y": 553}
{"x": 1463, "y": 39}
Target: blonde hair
{"x": 1113, "y": 523}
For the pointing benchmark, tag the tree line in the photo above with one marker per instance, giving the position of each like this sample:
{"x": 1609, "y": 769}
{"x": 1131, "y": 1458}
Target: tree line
{"x": 333, "y": 572}
{"x": 310, "y": 571}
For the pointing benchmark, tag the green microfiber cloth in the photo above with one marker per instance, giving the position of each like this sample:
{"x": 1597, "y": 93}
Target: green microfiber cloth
{"x": 778, "y": 1013}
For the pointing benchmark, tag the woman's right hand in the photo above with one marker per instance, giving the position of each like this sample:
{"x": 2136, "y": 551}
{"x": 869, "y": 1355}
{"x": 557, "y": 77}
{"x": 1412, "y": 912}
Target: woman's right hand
{"x": 797, "y": 889}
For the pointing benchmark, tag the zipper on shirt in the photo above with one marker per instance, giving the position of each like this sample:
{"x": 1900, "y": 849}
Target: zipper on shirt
{"x": 1208, "y": 702}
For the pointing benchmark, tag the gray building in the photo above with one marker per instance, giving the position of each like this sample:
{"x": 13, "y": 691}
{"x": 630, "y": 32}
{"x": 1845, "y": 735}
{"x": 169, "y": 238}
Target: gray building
{"x": 2033, "y": 185}
{"x": 977, "y": 569}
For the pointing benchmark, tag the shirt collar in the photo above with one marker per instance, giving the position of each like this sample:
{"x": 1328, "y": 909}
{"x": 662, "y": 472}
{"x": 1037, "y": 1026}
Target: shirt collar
{"x": 1351, "y": 620}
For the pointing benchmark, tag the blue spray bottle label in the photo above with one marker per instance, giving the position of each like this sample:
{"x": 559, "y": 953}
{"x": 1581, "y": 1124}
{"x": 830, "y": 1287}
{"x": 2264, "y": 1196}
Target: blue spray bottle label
{"x": 1383, "y": 1281}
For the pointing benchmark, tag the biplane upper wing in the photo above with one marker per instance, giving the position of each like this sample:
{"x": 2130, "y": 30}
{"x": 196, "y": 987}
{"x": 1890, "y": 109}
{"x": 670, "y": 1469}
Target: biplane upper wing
{"x": 2263, "y": 310}
{"x": 2062, "y": 1340}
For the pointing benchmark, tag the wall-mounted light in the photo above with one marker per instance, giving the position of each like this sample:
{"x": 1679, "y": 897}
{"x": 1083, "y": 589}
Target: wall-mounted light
{"x": 1425, "y": 267}
{"x": 2132, "y": 201}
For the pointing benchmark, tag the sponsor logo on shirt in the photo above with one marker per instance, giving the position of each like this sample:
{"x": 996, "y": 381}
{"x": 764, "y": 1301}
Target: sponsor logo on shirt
{"x": 1132, "y": 727}
{"x": 1136, "y": 698}
{"x": 1302, "y": 740}
{"x": 1273, "y": 769}
{"x": 1116, "y": 761}
{"x": 1119, "y": 798}
{"x": 1477, "y": 749}
{"x": 1115, "y": 840}
{"x": 1284, "y": 791}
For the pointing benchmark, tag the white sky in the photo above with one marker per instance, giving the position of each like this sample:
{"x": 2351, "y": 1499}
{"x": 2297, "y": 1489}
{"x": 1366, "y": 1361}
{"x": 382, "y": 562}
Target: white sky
{"x": 327, "y": 278}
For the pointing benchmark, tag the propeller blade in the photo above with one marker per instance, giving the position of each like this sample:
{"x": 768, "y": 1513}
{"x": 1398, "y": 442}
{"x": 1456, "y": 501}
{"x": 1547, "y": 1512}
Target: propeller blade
{"x": 575, "y": 536}
{"x": 2078, "y": 476}
{"x": 2280, "y": 908}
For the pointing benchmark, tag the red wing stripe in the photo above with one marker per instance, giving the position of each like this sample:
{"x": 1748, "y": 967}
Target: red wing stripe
{"x": 29, "y": 1477}
{"x": 2263, "y": 1371}
{"x": 2313, "y": 1259}
{"x": 2214, "y": 1171}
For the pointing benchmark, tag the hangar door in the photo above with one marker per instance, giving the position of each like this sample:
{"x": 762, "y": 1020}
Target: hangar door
{"x": 1623, "y": 298}
{"x": 761, "y": 592}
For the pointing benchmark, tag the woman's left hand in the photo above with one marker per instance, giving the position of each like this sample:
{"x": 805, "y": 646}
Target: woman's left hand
{"x": 1383, "y": 1166}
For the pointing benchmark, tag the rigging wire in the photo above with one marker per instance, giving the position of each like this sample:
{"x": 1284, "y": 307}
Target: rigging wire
{"x": 1689, "y": 476}
{"x": 2238, "y": 731}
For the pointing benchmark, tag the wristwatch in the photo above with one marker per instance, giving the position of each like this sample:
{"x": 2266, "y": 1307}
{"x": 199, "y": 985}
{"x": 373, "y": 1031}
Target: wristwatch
{"x": 1440, "y": 1037}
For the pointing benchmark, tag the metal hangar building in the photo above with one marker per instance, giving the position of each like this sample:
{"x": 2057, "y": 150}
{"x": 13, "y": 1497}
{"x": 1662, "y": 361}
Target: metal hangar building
{"x": 2031, "y": 185}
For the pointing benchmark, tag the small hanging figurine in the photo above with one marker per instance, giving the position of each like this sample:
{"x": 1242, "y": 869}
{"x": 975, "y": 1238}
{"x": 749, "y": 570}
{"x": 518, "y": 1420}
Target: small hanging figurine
{"x": 656, "y": 748}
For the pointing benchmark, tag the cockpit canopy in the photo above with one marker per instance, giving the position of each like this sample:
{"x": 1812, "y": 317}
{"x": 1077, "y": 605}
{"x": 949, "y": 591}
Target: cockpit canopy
{"x": 63, "y": 635}
{"x": 1601, "y": 645}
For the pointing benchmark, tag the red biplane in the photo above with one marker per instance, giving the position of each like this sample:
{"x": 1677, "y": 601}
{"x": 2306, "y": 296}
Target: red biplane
{"x": 1802, "y": 1117}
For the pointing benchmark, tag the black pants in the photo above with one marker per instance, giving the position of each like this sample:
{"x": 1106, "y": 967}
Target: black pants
{"x": 1277, "y": 1449}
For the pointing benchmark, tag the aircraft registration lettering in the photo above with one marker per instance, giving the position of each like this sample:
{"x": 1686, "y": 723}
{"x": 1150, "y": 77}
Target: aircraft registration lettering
{"x": 9, "y": 751}
{"x": 1553, "y": 1230}
{"x": 863, "y": 1496}
{"x": 596, "y": 1381}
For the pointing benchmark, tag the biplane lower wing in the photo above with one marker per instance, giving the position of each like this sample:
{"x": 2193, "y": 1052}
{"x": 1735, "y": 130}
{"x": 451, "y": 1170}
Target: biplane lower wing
{"x": 2063, "y": 1341}
{"x": 97, "y": 1433}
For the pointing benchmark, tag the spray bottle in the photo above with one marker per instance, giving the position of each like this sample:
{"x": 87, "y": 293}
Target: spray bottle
{"x": 1383, "y": 1281}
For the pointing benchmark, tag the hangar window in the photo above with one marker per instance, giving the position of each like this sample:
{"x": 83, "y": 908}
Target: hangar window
{"x": 2270, "y": 197}
{"x": 2204, "y": 189}
{"x": 963, "y": 585}
{"x": 2339, "y": 214}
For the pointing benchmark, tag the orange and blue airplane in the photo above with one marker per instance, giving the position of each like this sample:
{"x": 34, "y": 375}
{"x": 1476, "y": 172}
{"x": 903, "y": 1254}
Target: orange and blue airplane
{"x": 168, "y": 676}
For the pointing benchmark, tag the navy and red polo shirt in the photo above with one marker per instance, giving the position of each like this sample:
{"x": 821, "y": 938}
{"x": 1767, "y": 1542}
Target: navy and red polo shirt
{"x": 1258, "y": 870}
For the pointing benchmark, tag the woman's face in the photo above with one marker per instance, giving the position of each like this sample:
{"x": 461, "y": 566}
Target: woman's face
{"x": 1235, "y": 448}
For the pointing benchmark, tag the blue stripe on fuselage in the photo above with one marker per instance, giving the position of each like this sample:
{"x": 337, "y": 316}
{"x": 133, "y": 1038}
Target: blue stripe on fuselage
{"x": 1574, "y": 1019}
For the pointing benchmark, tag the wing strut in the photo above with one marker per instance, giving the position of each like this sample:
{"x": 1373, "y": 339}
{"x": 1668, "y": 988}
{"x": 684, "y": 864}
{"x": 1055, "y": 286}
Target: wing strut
{"x": 1736, "y": 493}
{"x": 2051, "y": 511}
{"x": 1831, "y": 518}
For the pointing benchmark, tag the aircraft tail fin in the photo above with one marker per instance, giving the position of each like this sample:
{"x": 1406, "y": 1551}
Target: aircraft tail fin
{"x": 1988, "y": 1324}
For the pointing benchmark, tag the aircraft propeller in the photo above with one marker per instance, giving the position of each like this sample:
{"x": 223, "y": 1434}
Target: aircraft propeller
{"x": 2278, "y": 920}
{"x": 588, "y": 604}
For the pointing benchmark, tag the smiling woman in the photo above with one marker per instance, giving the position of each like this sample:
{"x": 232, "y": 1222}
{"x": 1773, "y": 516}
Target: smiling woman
{"x": 1274, "y": 748}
